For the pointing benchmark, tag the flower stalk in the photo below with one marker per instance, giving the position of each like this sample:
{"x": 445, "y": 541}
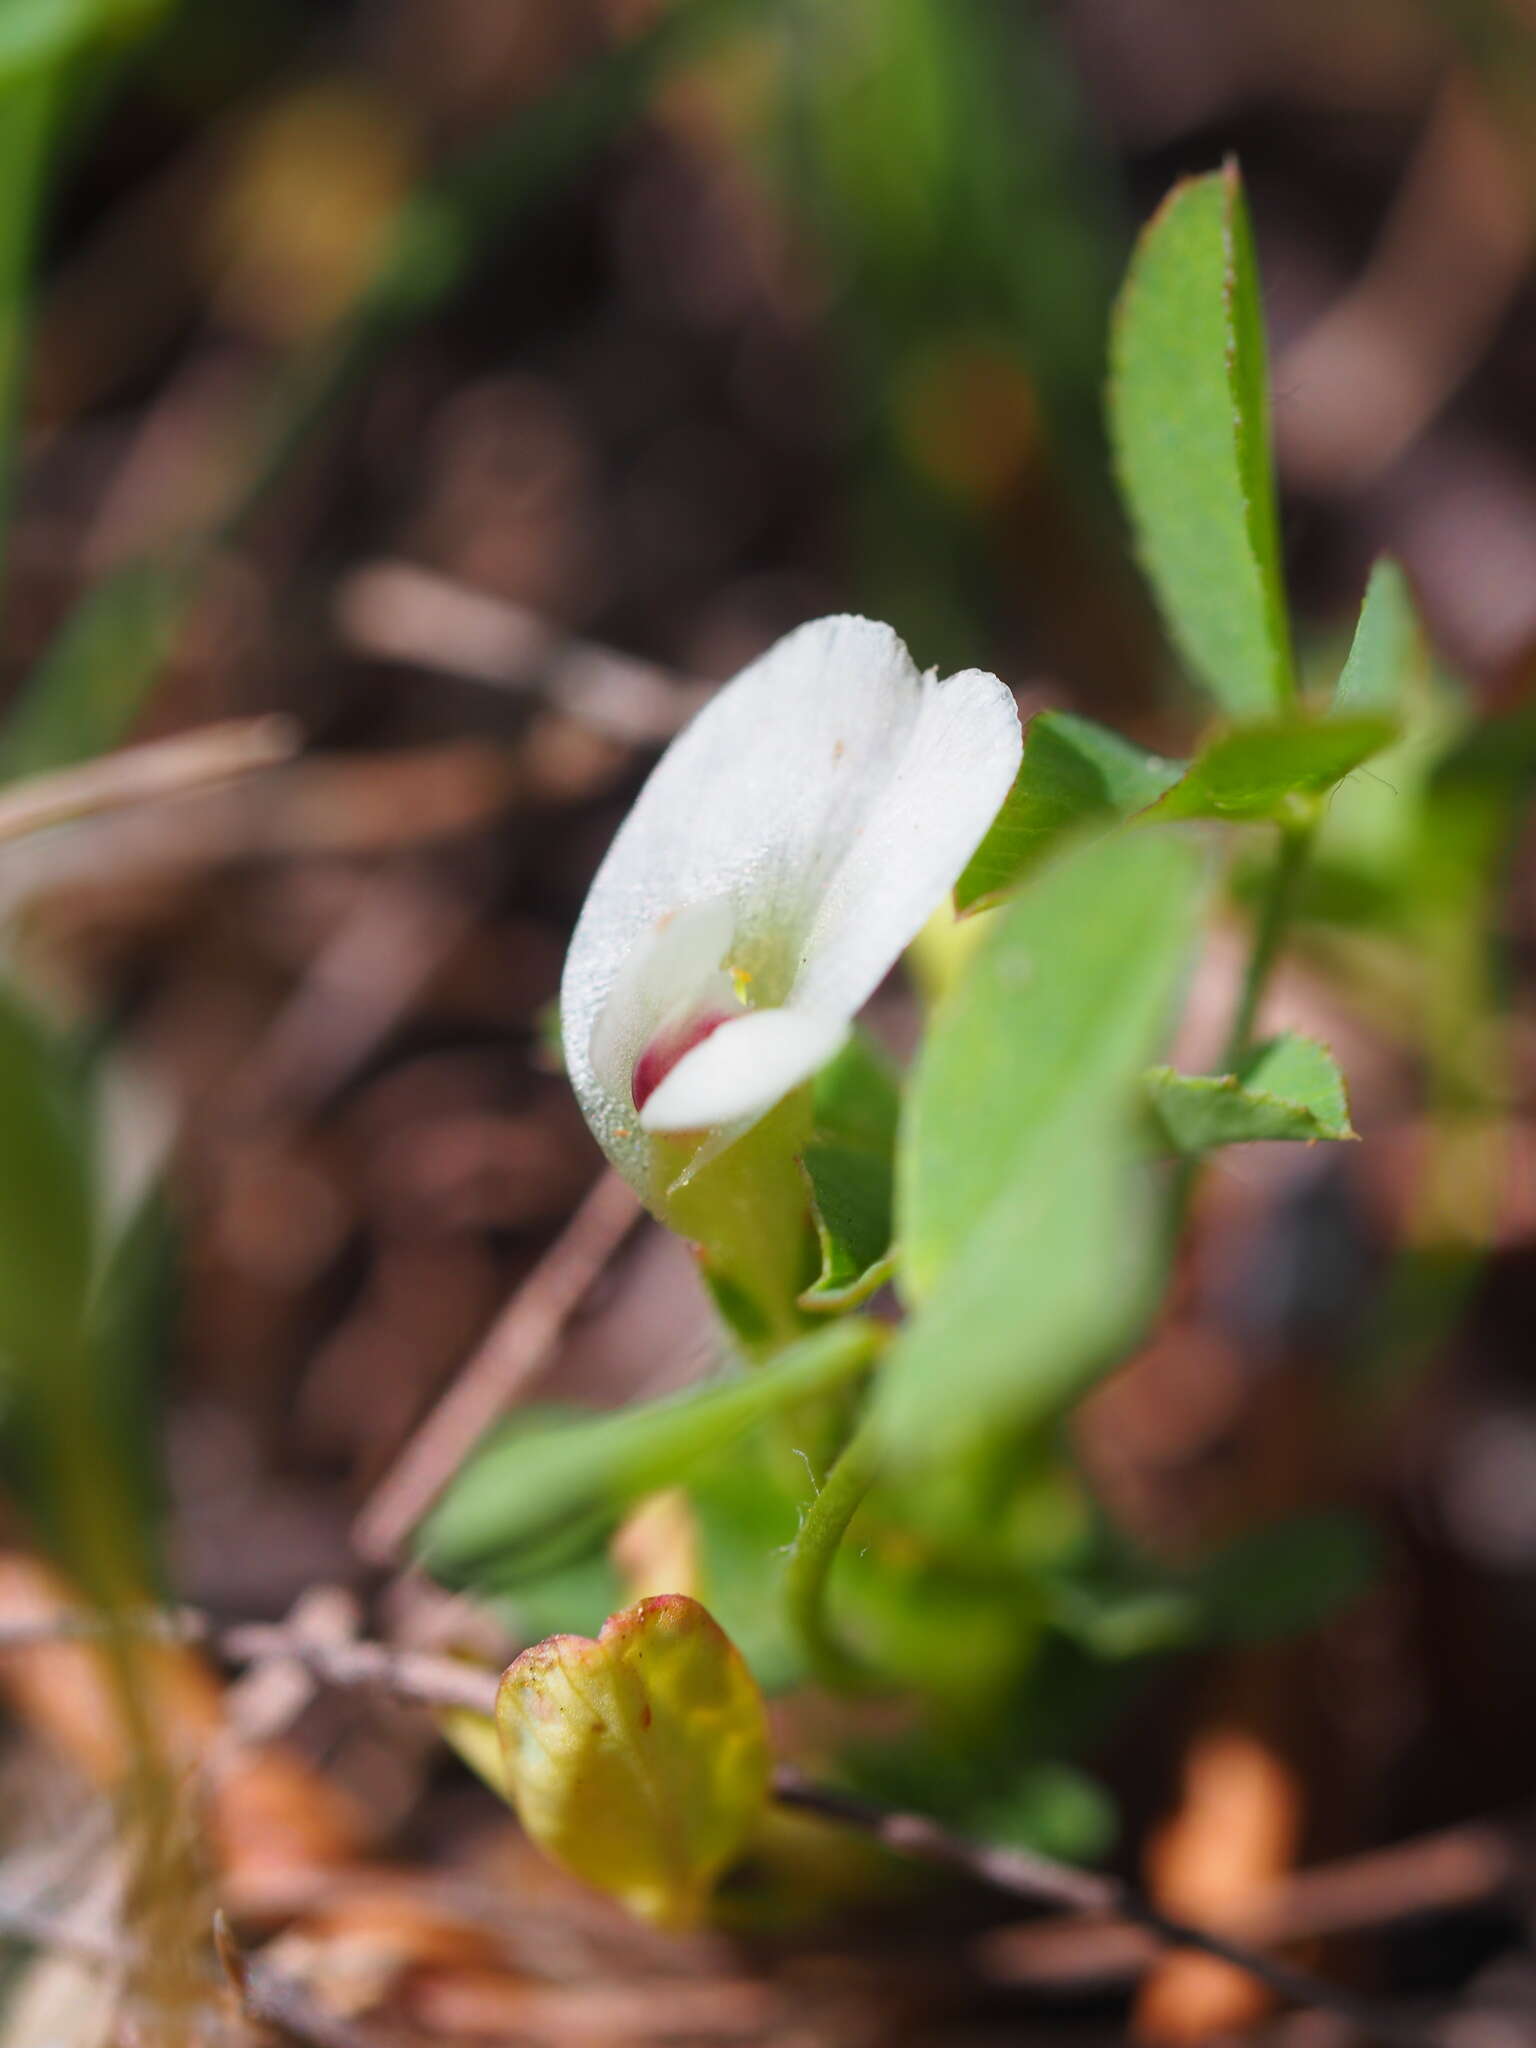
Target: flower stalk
{"x": 808, "y": 1574}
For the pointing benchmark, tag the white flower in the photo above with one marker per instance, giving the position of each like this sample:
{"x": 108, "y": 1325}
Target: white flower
{"x": 788, "y": 846}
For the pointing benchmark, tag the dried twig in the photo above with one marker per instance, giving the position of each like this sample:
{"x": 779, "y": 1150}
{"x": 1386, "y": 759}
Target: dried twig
{"x": 517, "y": 1345}
{"x": 269, "y": 1998}
{"x": 148, "y": 774}
{"x": 361, "y": 983}
{"x": 397, "y": 611}
{"x": 339, "y": 804}
{"x": 1448, "y": 1871}
{"x": 24, "y": 1921}
{"x": 407, "y": 1674}
{"x": 1373, "y": 373}
{"x": 1043, "y": 1881}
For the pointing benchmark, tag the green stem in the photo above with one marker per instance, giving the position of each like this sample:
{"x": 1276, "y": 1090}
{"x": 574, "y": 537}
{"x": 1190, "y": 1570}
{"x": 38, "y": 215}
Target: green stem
{"x": 1274, "y": 916}
{"x": 810, "y": 1561}
{"x": 1280, "y": 893}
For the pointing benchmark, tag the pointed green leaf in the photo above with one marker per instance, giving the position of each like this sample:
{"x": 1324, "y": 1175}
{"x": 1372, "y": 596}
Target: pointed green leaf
{"x": 1268, "y": 770}
{"x": 850, "y": 1164}
{"x": 1189, "y": 415}
{"x": 851, "y": 1208}
{"x": 92, "y": 682}
{"x": 1388, "y": 650}
{"x": 48, "y": 1231}
{"x": 1046, "y": 1291}
{"x": 1288, "y": 1088}
{"x": 1027, "y": 1235}
{"x": 524, "y": 1486}
{"x": 1058, "y": 1005}
{"x": 1073, "y": 774}
{"x": 639, "y": 1760}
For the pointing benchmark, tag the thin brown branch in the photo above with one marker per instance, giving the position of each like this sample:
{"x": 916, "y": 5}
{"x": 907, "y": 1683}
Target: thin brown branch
{"x": 31, "y": 1924}
{"x": 1043, "y": 1881}
{"x": 271, "y": 1999}
{"x": 1040, "y": 1880}
{"x": 361, "y": 983}
{"x": 145, "y": 775}
{"x": 340, "y": 804}
{"x": 517, "y": 1345}
{"x": 1373, "y": 373}
{"x": 406, "y": 1674}
{"x": 398, "y": 611}
{"x": 1445, "y": 1872}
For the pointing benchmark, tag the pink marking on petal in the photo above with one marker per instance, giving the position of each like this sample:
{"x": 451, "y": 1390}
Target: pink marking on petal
{"x": 668, "y": 1047}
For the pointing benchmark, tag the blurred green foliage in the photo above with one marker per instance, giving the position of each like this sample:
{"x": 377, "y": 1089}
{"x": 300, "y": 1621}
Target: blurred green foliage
{"x": 968, "y": 259}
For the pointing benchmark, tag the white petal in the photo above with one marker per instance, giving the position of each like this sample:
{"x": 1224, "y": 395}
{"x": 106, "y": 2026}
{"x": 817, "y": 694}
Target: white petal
{"x": 672, "y": 969}
{"x": 930, "y": 815}
{"x": 833, "y": 794}
{"x": 742, "y": 1070}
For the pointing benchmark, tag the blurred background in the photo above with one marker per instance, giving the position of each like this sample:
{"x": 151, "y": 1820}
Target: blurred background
{"x": 472, "y": 382}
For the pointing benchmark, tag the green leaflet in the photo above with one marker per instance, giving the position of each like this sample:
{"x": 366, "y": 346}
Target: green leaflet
{"x": 1073, "y": 774}
{"x": 1189, "y": 417}
{"x": 1388, "y": 649}
{"x": 1052, "y": 1282}
{"x": 1029, "y": 1249}
{"x": 1271, "y": 769}
{"x": 522, "y": 1488}
{"x": 1287, "y": 1088}
{"x": 849, "y": 1163}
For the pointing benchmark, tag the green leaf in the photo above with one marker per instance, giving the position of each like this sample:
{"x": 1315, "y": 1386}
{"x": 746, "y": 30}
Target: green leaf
{"x": 1049, "y": 1286}
{"x": 639, "y": 1760}
{"x": 850, "y": 1164}
{"x": 1074, "y": 773}
{"x": 132, "y": 1320}
{"x": 1388, "y": 649}
{"x": 47, "y": 1222}
{"x": 1288, "y": 1088}
{"x": 747, "y": 1506}
{"x": 987, "y": 1790}
{"x": 1029, "y": 1244}
{"x": 89, "y": 687}
{"x": 27, "y": 126}
{"x": 1273, "y": 1581}
{"x": 1283, "y": 1579}
{"x": 42, "y": 35}
{"x": 521, "y": 1488}
{"x": 1057, "y": 1008}
{"x": 1269, "y": 770}
{"x": 1124, "y": 1616}
{"x": 1189, "y": 416}
{"x": 82, "y": 1323}
{"x": 36, "y": 35}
